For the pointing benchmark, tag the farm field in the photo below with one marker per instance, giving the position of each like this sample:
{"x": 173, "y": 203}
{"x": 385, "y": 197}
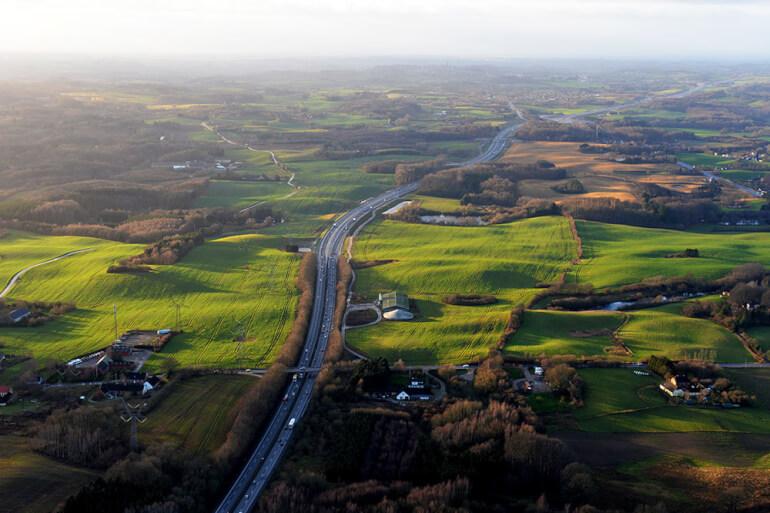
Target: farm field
{"x": 177, "y": 419}
{"x": 600, "y": 174}
{"x": 617, "y": 254}
{"x": 19, "y": 250}
{"x": 241, "y": 194}
{"x": 443, "y": 205}
{"x": 661, "y": 331}
{"x": 553, "y": 332}
{"x": 761, "y": 333}
{"x": 33, "y": 483}
{"x": 507, "y": 260}
{"x": 227, "y": 286}
{"x": 440, "y": 333}
{"x": 617, "y": 400}
{"x": 703, "y": 159}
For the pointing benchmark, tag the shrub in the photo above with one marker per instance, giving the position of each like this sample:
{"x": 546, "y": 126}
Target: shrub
{"x": 573, "y": 186}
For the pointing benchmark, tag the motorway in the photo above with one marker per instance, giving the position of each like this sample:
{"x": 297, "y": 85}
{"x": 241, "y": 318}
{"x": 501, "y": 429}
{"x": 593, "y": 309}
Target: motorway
{"x": 265, "y": 459}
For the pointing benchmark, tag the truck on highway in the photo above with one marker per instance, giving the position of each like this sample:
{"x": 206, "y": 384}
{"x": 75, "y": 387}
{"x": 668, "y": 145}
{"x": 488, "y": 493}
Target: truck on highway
{"x": 292, "y": 421}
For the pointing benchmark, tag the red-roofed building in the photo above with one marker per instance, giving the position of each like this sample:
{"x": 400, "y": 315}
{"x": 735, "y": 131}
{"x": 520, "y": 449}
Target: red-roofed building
{"x": 5, "y": 394}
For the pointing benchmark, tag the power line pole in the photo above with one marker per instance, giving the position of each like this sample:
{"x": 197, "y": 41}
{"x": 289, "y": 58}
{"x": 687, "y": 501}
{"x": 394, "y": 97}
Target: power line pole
{"x": 134, "y": 415}
{"x": 178, "y": 306}
{"x": 115, "y": 317}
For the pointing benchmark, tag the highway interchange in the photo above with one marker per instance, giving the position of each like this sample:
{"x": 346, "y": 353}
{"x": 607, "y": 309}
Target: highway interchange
{"x": 245, "y": 491}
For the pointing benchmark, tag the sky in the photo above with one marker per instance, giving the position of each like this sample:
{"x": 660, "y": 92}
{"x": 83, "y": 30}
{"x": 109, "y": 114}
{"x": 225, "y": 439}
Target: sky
{"x": 475, "y": 29}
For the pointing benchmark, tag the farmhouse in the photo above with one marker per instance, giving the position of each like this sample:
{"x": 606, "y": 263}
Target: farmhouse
{"x": 5, "y": 395}
{"x": 395, "y": 306}
{"x": 691, "y": 391}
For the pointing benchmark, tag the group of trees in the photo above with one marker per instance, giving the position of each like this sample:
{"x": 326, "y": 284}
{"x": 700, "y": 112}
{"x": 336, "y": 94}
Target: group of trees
{"x": 609, "y": 133}
{"x": 745, "y": 304}
{"x": 436, "y": 459}
{"x": 486, "y": 184}
{"x": 92, "y": 437}
{"x": 573, "y": 186}
{"x": 166, "y": 251}
{"x": 583, "y": 297}
{"x": 566, "y": 382}
{"x": 161, "y": 479}
{"x": 663, "y": 211}
{"x": 156, "y": 224}
{"x": 407, "y": 172}
{"x": 451, "y": 457}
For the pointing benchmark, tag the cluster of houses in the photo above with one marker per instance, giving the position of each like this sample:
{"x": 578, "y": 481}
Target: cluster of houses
{"x": 124, "y": 355}
{"x": 136, "y": 383}
{"x": 219, "y": 165}
{"x": 113, "y": 359}
{"x": 684, "y": 390}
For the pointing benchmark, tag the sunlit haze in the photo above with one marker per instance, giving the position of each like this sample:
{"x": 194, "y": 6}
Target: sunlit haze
{"x": 489, "y": 29}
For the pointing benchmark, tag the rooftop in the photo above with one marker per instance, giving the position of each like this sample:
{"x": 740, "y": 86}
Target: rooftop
{"x": 393, "y": 300}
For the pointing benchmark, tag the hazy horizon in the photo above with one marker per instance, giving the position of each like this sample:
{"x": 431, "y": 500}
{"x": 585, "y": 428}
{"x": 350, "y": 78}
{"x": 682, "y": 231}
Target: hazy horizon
{"x": 482, "y": 30}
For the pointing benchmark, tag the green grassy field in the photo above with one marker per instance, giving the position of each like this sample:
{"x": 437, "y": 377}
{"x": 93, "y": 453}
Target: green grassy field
{"x": 234, "y": 194}
{"x": 225, "y": 286}
{"x": 618, "y": 254}
{"x": 552, "y": 332}
{"x": 660, "y": 331}
{"x": 19, "y": 250}
{"x": 177, "y": 419}
{"x": 664, "y": 331}
{"x": 32, "y": 483}
{"x": 617, "y": 400}
{"x": 754, "y": 382}
{"x": 761, "y": 333}
{"x": 443, "y": 205}
{"x": 703, "y": 159}
{"x": 325, "y": 188}
{"x": 506, "y": 260}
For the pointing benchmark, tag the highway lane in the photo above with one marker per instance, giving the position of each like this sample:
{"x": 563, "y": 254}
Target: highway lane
{"x": 265, "y": 459}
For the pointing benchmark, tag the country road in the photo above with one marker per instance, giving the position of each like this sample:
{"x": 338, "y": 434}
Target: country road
{"x": 16, "y": 277}
{"x": 244, "y": 492}
{"x": 714, "y": 176}
{"x": 276, "y": 162}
